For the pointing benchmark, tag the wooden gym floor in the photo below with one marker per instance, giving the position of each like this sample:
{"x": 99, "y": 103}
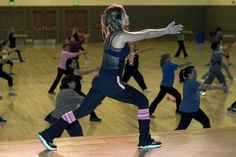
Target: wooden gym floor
{"x": 26, "y": 111}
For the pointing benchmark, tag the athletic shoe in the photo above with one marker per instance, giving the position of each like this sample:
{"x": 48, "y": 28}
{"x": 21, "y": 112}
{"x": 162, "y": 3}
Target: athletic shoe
{"x": 47, "y": 144}
{"x": 2, "y": 121}
{"x": 11, "y": 74}
{"x": 177, "y": 111}
{"x": 152, "y": 116}
{"x": 202, "y": 80}
{"x": 82, "y": 80}
{"x": 231, "y": 79}
{"x": 146, "y": 90}
{"x": 231, "y": 109}
{"x": 12, "y": 93}
{"x": 153, "y": 144}
{"x": 95, "y": 119}
{"x": 202, "y": 93}
{"x": 51, "y": 93}
{"x": 230, "y": 64}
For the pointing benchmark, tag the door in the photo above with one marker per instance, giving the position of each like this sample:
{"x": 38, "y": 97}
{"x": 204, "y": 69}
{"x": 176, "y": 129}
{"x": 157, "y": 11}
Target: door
{"x": 75, "y": 18}
{"x": 12, "y": 18}
{"x": 5, "y": 17}
{"x": 44, "y": 26}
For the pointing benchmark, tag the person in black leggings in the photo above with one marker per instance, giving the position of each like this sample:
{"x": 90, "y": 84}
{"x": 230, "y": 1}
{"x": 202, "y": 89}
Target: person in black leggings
{"x": 4, "y": 74}
{"x": 12, "y": 40}
{"x": 67, "y": 100}
{"x": 72, "y": 70}
{"x": 168, "y": 74}
{"x": 131, "y": 68}
{"x": 108, "y": 83}
{"x": 6, "y": 58}
{"x": 189, "y": 107}
{"x": 61, "y": 70}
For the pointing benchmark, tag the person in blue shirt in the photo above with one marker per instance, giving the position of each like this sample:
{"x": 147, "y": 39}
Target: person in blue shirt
{"x": 189, "y": 107}
{"x": 107, "y": 83}
{"x": 168, "y": 74}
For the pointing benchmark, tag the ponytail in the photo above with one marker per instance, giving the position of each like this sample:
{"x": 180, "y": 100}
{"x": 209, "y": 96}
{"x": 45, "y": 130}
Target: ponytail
{"x": 183, "y": 74}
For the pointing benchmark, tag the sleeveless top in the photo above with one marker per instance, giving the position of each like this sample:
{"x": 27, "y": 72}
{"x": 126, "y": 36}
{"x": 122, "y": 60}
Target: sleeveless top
{"x": 114, "y": 59}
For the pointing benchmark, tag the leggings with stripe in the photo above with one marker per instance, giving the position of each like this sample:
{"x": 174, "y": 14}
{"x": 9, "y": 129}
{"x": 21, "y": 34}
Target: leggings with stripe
{"x": 94, "y": 98}
{"x": 123, "y": 92}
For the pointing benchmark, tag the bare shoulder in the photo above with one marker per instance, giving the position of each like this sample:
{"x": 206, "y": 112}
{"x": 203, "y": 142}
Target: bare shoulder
{"x": 117, "y": 41}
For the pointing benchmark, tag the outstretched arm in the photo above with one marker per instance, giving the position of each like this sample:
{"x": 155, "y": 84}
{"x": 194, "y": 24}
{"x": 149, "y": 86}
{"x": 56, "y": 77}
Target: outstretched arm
{"x": 184, "y": 64}
{"x": 20, "y": 35}
{"x": 211, "y": 87}
{"x": 125, "y": 37}
{"x": 7, "y": 51}
{"x": 144, "y": 50}
{"x": 227, "y": 48}
{"x": 79, "y": 72}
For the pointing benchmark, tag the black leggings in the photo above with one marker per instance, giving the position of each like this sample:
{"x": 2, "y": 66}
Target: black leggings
{"x": 6, "y": 76}
{"x": 128, "y": 95}
{"x": 94, "y": 98}
{"x": 19, "y": 55}
{"x": 60, "y": 73}
{"x": 78, "y": 90}
{"x": 164, "y": 89}
{"x": 132, "y": 71}
{"x": 181, "y": 47}
{"x": 10, "y": 62}
{"x": 74, "y": 129}
{"x": 186, "y": 118}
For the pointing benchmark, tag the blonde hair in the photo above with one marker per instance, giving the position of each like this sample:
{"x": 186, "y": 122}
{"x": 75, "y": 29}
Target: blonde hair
{"x": 111, "y": 20}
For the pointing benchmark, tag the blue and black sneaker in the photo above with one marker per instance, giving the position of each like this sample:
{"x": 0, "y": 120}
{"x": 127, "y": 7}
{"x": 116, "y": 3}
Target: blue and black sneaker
{"x": 2, "y": 121}
{"x": 47, "y": 144}
{"x": 152, "y": 145}
{"x": 231, "y": 109}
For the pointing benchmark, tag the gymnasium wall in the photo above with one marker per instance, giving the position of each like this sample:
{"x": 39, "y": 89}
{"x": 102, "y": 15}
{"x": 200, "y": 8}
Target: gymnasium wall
{"x": 194, "y": 18}
{"x": 124, "y": 2}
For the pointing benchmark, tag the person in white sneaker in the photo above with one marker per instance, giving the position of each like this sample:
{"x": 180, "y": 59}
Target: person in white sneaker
{"x": 107, "y": 82}
{"x": 214, "y": 71}
{"x": 131, "y": 68}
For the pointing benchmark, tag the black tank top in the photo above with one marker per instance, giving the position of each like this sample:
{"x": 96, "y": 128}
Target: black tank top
{"x": 114, "y": 59}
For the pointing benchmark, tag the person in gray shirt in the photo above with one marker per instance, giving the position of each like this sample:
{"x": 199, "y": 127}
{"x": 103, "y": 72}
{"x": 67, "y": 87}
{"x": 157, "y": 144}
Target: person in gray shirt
{"x": 67, "y": 100}
{"x": 215, "y": 67}
{"x": 190, "y": 106}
